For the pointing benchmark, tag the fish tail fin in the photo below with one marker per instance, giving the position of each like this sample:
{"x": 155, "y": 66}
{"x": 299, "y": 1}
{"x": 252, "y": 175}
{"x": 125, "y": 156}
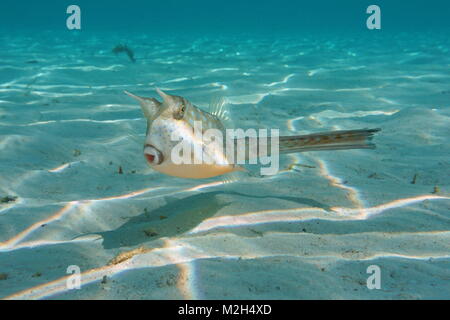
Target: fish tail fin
{"x": 332, "y": 140}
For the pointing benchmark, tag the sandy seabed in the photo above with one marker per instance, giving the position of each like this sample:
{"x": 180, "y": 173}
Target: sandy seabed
{"x": 310, "y": 231}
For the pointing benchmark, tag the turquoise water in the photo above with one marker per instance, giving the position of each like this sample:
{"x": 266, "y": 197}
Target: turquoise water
{"x": 76, "y": 191}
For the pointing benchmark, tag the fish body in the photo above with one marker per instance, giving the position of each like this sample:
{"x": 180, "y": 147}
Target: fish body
{"x": 176, "y": 120}
{"x": 175, "y": 117}
{"x": 123, "y": 48}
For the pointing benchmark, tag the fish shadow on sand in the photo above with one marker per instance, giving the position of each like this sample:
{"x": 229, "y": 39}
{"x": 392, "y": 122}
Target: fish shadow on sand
{"x": 177, "y": 217}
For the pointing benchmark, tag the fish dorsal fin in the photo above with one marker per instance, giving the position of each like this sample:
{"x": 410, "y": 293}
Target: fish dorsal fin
{"x": 218, "y": 108}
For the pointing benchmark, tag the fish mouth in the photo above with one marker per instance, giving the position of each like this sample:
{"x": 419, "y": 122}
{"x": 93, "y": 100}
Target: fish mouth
{"x": 153, "y": 155}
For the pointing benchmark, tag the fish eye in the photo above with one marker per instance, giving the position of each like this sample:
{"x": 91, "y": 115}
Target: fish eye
{"x": 180, "y": 113}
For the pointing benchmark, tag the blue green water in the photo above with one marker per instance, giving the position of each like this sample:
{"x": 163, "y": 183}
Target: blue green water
{"x": 75, "y": 189}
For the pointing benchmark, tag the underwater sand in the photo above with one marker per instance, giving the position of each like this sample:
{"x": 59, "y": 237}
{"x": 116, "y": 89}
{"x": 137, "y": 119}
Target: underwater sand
{"x": 308, "y": 232}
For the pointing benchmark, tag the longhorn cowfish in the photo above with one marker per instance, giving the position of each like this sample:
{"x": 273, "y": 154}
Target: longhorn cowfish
{"x": 176, "y": 116}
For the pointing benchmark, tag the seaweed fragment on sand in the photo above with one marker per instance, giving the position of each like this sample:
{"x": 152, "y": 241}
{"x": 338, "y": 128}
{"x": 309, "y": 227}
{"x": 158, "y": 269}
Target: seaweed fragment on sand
{"x": 123, "y": 48}
{"x": 121, "y": 257}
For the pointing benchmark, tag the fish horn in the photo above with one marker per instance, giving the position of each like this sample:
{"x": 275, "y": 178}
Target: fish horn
{"x": 140, "y": 99}
{"x": 149, "y": 106}
{"x": 166, "y": 97}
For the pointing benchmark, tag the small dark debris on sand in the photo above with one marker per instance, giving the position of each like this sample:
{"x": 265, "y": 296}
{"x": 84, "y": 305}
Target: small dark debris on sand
{"x": 123, "y": 48}
{"x": 7, "y": 199}
{"x": 150, "y": 233}
{"x": 167, "y": 280}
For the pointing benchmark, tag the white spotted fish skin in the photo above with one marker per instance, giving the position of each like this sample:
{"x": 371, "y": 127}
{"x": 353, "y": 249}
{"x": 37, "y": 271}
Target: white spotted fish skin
{"x": 176, "y": 115}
